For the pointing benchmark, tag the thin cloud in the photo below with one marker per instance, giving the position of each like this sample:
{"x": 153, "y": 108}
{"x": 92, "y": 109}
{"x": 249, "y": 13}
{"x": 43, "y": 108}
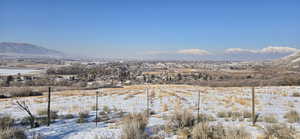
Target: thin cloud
{"x": 267, "y": 50}
{"x": 193, "y": 52}
{"x": 183, "y": 51}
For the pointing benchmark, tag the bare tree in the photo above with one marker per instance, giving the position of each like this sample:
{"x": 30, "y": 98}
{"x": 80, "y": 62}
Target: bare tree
{"x": 24, "y": 107}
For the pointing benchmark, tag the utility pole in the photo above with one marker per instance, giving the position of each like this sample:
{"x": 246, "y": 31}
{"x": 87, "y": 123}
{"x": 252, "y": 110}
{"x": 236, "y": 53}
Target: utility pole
{"x": 49, "y": 102}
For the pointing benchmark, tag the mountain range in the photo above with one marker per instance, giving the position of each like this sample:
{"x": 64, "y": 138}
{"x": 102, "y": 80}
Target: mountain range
{"x": 12, "y": 49}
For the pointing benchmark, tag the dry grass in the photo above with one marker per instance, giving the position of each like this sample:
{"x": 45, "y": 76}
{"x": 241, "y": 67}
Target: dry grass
{"x": 296, "y": 94}
{"x": 279, "y": 131}
{"x": 292, "y": 116}
{"x": 133, "y": 126}
{"x": 75, "y": 93}
{"x": 6, "y": 122}
{"x": 20, "y": 92}
{"x": 12, "y": 133}
{"x": 181, "y": 118}
{"x": 205, "y": 131}
{"x": 44, "y": 112}
{"x": 270, "y": 119}
{"x": 165, "y": 107}
{"x": 83, "y": 117}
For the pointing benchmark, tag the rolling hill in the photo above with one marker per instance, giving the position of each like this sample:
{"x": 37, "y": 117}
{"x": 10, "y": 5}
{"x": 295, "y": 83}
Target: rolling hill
{"x": 12, "y": 49}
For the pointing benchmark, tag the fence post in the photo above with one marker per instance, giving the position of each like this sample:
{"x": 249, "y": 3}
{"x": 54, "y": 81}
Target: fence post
{"x": 253, "y": 106}
{"x": 97, "y": 92}
{"x": 198, "y": 107}
{"x": 147, "y": 102}
{"x": 49, "y": 102}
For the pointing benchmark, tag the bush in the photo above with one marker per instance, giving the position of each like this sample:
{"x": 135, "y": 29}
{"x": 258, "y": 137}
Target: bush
{"x": 270, "y": 119}
{"x": 22, "y": 92}
{"x": 6, "y": 122}
{"x": 25, "y": 121}
{"x": 68, "y": 116}
{"x": 205, "y": 131}
{"x": 292, "y": 117}
{"x": 296, "y": 94}
{"x": 134, "y": 126}
{"x": 279, "y": 131}
{"x": 206, "y": 118}
{"x": 44, "y": 112}
{"x": 106, "y": 109}
{"x": 222, "y": 114}
{"x": 237, "y": 133}
{"x": 182, "y": 118}
{"x": 12, "y": 133}
{"x": 247, "y": 114}
{"x": 83, "y": 117}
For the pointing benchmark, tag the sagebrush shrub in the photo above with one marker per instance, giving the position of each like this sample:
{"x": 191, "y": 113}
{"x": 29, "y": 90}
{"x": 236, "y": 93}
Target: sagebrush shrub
{"x": 279, "y": 131}
{"x": 12, "y": 133}
{"x": 182, "y": 118}
{"x": 270, "y": 119}
{"x": 292, "y": 116}
{"x": 133, "y": 126}
{"x": 6, "y": 122}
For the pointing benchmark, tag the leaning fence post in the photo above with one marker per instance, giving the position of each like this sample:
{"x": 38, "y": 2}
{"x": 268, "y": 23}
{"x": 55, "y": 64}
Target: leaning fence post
{"x": 253, "y": 106}
{"x": 97, "y": 92}
{"x": 49, "y": 101}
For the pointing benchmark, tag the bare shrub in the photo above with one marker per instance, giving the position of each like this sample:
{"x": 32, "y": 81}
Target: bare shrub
{"x": 237, "y": 133}
{"x": 106, "y": 109}
{"x": 22, "y": 105}
{"x": 68, "y": 116}
{"x": 296, "y": 94}
{"x": 205, "y": 131}
{"x": 222, "y": 114}
{"x": 206, "y": 118}
{"x": 6, "y": 122}
{"x": 270, "y": 119}
{"x": 183, "y": 133}
{"x": 22, "y": 92}
{"x": 82, "y": 117}
{"x": 165, "y": 107}
{"x": 44, "y": 112}
{"x": 292, "y": 116}
{"x": 280, "y": 131}
{"x": 12, "y": 133}
{"x": 134, "y": 126}
{"x": 182, "y": 118}
{"x": 247, "y": 114}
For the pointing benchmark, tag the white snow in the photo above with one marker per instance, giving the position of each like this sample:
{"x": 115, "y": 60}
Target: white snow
{"x": 270, "y": 100}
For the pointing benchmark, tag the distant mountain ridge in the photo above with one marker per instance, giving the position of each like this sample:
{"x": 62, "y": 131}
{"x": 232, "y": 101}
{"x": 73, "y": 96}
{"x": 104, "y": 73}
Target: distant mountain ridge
{"x": 26, "y": 49}
{"x": 290, "y": 60}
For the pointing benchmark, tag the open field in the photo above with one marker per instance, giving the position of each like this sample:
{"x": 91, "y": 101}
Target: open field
{"x": 164, "y": 100}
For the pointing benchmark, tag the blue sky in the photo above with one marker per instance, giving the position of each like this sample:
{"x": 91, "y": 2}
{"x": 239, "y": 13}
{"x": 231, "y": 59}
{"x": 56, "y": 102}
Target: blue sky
{"x": 130, "y": 28}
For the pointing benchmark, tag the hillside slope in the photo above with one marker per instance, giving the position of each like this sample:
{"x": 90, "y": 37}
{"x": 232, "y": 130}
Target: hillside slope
{"x": 26, "y": 50}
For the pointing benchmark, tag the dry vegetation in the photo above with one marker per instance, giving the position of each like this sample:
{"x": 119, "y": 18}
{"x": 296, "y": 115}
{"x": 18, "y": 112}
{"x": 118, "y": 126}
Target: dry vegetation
{"x": 134, "y": 126}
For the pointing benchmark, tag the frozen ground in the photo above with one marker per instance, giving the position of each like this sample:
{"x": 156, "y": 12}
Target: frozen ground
{"x": 269, "y": 101}
{"x": 16, "y": 71}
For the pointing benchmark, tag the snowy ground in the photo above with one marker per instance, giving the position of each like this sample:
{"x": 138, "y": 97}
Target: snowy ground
{"x": 269, "y": 101}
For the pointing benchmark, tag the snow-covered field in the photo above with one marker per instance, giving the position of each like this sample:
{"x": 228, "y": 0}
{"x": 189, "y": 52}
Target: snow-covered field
{"x": 164, "y": 99}
{"x": 16, "y": 71}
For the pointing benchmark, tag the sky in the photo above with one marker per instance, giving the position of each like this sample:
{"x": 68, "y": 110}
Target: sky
{"x": 153, "y": 28}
